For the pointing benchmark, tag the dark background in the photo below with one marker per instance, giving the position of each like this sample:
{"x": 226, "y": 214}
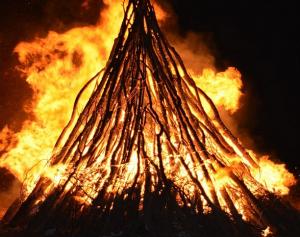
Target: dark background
{"x": 259, "y": 38}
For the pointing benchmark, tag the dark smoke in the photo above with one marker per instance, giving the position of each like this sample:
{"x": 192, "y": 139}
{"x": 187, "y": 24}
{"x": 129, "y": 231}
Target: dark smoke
{"x": 9, "y": 188}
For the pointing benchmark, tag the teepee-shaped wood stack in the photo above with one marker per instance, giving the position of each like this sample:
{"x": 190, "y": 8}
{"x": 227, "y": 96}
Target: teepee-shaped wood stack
{"x": 148, "y": 154}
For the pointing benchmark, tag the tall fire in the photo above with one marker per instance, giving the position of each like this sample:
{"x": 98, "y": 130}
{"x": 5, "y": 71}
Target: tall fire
{"x": 143, "y": 151}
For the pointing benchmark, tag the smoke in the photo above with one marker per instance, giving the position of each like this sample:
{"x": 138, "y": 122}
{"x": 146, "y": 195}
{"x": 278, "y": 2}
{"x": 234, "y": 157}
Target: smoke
{"x": 9, "y": 189}
{"x": 197, "y": 51}
{"x": 294, "y": 196}
{"x": 7, "y": 140}
{"x": 194, "y": 51}
{"x": 24, "y": 21}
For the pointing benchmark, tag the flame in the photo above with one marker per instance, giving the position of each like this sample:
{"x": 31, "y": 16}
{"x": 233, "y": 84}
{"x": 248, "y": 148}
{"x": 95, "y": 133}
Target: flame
{"x": 274, "y": 177}
{"x": 224, "y": 88}
{"x": 7, "y": 139}
{"x": 55, "y": 173}
{"x": 57, "y": 67}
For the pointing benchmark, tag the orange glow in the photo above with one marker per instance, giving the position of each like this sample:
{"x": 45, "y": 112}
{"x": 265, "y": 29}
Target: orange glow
{"x": 85, "y": 4}
{"x": 55, "y": 173}
{"x": 274, "y": 177}
{"x": 7, "y": 139}
{"x": 59, "y": 65}
{"x": 267, "y": 232}
{"x": 224, "y": 88}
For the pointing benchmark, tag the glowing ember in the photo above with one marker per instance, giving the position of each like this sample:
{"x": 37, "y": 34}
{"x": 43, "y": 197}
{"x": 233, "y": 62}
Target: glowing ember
{"x": 267, "y": 232}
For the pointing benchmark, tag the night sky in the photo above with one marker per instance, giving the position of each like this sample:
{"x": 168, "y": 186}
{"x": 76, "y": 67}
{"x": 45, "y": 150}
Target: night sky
{"x": 260, "y": 39}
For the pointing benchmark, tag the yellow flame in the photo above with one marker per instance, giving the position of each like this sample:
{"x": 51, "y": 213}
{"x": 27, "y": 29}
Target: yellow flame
{"x": 274, "y": 177}
{"x": 55, "y": 173}
{"x": 224, "y": 88}
{"x": 57, "y": 67}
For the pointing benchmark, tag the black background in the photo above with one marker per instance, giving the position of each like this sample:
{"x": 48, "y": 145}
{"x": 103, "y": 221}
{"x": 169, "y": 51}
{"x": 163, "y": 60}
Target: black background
{"x": 259, "y": 38}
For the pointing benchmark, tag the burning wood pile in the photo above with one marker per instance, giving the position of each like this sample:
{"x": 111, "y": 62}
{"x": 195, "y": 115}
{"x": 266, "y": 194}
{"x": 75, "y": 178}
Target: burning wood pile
{"x": 149, "y": 155}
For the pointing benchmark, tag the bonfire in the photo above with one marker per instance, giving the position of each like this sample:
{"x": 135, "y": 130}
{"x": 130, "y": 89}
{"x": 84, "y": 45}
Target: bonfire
{"x": 149, "y": 155}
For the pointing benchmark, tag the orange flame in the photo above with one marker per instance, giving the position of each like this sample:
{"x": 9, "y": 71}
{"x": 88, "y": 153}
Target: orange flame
{"x": 224, "y": 88}
{"x": 57, "y": 67}
{"x": 274, "y": 177}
